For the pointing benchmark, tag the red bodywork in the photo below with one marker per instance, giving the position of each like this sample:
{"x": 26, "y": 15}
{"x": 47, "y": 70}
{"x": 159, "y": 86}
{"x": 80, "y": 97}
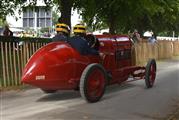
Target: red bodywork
{"x": 58, "y": 66}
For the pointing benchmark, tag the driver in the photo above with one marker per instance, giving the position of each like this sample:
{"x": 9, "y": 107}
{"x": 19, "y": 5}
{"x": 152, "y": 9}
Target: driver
{"x": 79, "y": 42}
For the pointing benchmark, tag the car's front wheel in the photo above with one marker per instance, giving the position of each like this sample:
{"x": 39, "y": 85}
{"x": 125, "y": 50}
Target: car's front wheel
{"x": 150, "y": 73}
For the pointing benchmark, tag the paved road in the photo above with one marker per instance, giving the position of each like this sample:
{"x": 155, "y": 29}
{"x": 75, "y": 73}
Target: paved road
{"x": 127, "y": 102}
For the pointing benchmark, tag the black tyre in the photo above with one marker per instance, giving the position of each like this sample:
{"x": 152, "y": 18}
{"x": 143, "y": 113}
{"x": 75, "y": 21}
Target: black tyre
{"x": 93, "y": 82}
{"x": 150, "y": 73}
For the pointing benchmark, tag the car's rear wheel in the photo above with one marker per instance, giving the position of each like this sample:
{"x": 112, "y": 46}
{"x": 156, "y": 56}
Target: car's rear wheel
{"x": 93, "y": 82}
{"x": 150, "y": 73}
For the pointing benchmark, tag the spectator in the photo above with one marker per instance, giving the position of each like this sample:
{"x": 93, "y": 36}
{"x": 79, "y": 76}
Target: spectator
{"x": 136, "y": 36}
{"x": 7, "y": 31}
{"x": 152, "y": 39}
{"x": 130, "y": 34}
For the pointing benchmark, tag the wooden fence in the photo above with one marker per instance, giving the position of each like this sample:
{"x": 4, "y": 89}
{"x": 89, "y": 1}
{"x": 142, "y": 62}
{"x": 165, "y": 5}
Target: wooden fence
{"x": 14, "y": 57}
{"x": 161, "y": 50}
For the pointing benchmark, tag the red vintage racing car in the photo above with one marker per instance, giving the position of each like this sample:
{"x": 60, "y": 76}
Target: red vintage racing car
{"x": 58, "y": 66}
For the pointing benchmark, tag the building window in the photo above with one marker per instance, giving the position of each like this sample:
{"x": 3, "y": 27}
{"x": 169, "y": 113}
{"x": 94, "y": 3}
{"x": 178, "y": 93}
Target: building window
{"x": 43, "y": 18}
{"x": 38, "y": 13}
{"x": 42, "y": 22}
{"x": 31, "y": 22}
{"x": 38, "y": 22}
{"x": 42, "y": 13}
{"x": 25, "y": 14}
{"x": 31, "y": 13}
{"x": 25, "y": 21}
{"x": 48, "y": 13}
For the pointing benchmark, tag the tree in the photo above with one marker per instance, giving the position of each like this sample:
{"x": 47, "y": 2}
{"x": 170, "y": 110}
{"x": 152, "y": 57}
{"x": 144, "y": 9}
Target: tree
{"x": 55, "y": 17}
{"x": 122, "y": 15}
{"x": 1, "y": 22}
{"x": 8, "y": 7}
{"x": 118, "y": 15}
{"x": 65, "y": 7}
